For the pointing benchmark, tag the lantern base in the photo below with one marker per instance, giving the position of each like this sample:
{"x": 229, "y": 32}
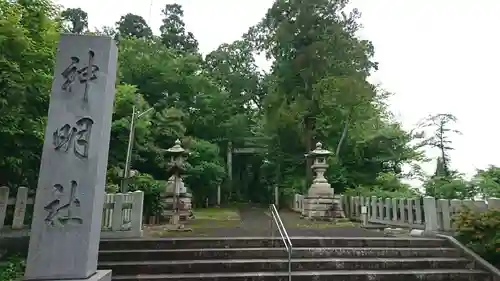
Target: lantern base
{"x": 320, "y": 189}
{"x": 322, "y": 208}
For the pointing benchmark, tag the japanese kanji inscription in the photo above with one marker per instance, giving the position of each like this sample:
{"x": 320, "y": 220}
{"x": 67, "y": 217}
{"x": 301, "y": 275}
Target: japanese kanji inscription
{"x": 77, "y": 136}
{"x": 62, "y": 211}
{"x": 83, "y": 74}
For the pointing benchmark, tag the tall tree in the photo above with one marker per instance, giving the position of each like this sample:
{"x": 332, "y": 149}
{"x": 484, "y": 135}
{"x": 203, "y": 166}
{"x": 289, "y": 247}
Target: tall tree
{"x": 234, "y": 68}
{"x": 442, "y": 126}
{"x": 173, "y": 30}
{"x": 314, "y": 47}
{"x": 75, "y": 20}
{"x": 131, "y": 25}
{"x": 445, "y": 182}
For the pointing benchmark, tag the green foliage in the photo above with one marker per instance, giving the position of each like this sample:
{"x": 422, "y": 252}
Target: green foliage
{"x": 316, "y": 90}
{"x": 449, "y": 188}
{"x": 126, "y": 98}
{"x": 75, "y": 20}
{"x": 205, "y": 170}
{"x": 173, "y": 32}
{"x": 479, "y": 232}
{"x": 131, "y": 25}
{"x": 28, "y": 37}
{"x": 152, "y": 190}
{"x": 488, "y": 182}
{"x": 387, "y": 185}
{"x": 445, "y": 183}
{"x": 12, "y": 270}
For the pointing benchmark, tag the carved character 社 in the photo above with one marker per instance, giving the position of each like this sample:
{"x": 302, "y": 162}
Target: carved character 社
{"x": 62, "y": 212}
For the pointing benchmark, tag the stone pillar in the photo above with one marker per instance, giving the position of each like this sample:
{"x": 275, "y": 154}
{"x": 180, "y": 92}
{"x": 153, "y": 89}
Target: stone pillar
{"x": 320, "y": 203}
{"x": 66, "y": 226}
{"x": 430, "y": 214}
{"x": 218, "y": 195}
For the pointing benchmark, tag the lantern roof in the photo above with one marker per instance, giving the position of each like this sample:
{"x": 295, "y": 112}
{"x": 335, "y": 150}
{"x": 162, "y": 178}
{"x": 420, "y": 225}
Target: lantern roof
{"x": 319, "y": 151}
{"x": 177, "y": 148}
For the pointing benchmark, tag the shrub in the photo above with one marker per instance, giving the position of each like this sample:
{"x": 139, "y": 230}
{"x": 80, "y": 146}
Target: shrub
{"x": 152, "y": 192}
{"x": 479, "y": 231}
{"x": 452, "y": 187}
{"x": 204, "y": 170}
{"x": 13, "y": 270}
{"x": 151, "y": 187}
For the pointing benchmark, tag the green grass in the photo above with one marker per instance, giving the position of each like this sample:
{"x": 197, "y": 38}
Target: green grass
{"x": 215, "y": 218}
{"x": 210, "y": 224}
{"x": 323, "y": 225}
{"x": 218, "y": 214}
{"x": 205, "y": 219}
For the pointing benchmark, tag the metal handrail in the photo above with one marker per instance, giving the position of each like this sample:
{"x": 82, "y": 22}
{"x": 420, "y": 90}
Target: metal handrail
{"x": 276, "y": 219}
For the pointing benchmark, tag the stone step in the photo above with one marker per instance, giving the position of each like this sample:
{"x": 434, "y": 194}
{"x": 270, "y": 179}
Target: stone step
{"x": 338, "y": 275}
{"x": 259, "y": 242}
{"x": 242, "y": 253}
{"x": 272, "y": 265}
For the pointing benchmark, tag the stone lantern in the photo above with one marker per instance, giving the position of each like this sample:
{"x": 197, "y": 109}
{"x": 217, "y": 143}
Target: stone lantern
{"x": 176, "y": 168}
{"x": 320, "y": 185}
{"x": 177, "y": 156}
{"x": 321, "y": 202}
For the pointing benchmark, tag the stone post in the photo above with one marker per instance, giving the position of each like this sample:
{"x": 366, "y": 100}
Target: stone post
{"x": 218, "y": 195}
{"x": 66, "y": 226}
{"x": 276, "y": 196}
{"x": 430, "y": 214}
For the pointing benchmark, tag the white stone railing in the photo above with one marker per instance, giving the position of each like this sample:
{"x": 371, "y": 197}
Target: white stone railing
{"x": 122, "y": 213}
{"x": 388, "y": 211}
{"x": 422, "y": 213}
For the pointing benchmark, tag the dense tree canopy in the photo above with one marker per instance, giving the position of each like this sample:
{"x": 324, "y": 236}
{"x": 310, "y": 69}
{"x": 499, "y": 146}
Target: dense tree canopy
{"x": 75, "y": 20}
{"x": 131, "y": 25}
{"x": 316, "y": 90}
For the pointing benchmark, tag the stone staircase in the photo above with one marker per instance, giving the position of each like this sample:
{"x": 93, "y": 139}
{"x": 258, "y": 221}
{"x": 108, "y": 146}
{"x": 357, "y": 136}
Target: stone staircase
{"x": 314, "y": 258}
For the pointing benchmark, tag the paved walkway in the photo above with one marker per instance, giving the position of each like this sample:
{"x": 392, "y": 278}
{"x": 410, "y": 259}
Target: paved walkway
{"x": 256, "y": 222}
{"x": 297, "y": 226}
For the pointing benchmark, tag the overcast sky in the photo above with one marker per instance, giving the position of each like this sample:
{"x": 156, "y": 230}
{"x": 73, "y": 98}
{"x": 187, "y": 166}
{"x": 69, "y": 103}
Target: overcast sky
{"x": 437, "y": 56}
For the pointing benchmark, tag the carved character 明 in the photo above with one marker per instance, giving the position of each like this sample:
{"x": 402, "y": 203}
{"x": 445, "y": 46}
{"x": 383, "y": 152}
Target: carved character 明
{"x": 78, "y": 136}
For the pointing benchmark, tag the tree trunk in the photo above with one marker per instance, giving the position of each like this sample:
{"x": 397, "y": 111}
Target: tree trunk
{"x": 309, "y": 134}
{"x": 443, "y": 152}
{"x": 344, "y": 134}
{"x": 309, "y": 127}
